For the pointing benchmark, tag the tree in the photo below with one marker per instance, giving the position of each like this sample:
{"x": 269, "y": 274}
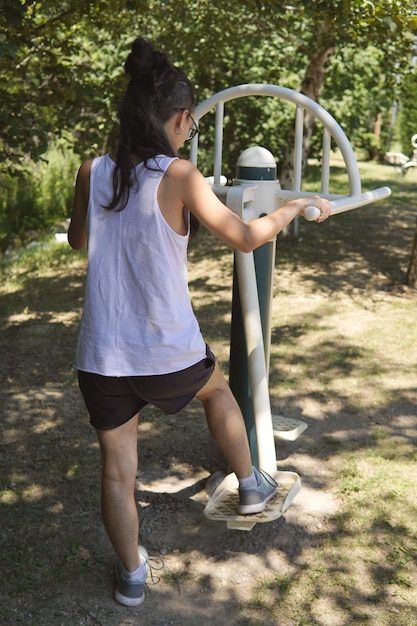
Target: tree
{"x": 55, "y": 59}
{"x": 408, "y": 97}
{"x": 62, "y": 61}
{"x": 321, "y": 30}
{"x": 359, "y": 104}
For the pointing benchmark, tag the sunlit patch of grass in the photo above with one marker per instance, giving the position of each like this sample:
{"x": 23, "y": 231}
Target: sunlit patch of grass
{"x": 365, "y": 559}
{"x": 41, "y": 256}
{"x": 175, "y": 578}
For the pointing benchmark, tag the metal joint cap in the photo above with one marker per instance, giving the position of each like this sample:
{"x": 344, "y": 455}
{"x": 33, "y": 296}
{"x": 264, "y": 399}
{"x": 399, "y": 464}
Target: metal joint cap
{"x": 256, "y": 163}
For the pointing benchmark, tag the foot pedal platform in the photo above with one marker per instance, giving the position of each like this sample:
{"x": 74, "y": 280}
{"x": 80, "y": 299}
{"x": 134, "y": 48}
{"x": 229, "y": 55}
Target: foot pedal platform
{"x": 223, "y": 504}
{"x": 287, "y": 428}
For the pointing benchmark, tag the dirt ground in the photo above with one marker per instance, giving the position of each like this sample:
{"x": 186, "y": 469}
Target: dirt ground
{"x": 56, "y": 560}
{"x": 209, "y": 572}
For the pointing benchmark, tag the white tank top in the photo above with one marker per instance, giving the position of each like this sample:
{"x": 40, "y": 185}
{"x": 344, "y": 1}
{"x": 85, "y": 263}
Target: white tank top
{"x": 137, "y": 318}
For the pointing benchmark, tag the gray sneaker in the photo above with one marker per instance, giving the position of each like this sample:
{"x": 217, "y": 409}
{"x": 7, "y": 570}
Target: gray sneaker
{"x": 253, "y": 500}
{"x": 130, "y": 592}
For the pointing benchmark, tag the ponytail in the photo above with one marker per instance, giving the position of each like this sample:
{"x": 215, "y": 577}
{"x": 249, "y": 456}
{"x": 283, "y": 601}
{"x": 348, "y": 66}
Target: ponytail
{"x": 156, "y": 89}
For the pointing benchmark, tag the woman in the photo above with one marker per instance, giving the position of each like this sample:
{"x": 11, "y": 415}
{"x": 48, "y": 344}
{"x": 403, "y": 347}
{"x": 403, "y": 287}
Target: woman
{"x": 139, "y": 340}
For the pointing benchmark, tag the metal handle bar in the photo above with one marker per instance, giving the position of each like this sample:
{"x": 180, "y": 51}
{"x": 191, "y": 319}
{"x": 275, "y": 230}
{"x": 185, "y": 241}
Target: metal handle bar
{"x": 339, "y": 204}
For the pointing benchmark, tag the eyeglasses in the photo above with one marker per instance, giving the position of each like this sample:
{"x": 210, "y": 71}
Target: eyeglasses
{"x": 193, "y": 130}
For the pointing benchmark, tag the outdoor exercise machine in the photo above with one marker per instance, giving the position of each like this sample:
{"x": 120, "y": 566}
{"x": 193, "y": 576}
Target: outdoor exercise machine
{"x": 255, "y": 192}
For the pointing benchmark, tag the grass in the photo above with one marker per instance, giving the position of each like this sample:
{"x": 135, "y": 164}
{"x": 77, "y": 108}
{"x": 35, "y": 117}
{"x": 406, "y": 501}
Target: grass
{"x": 364, "y": 568}
{"x": 343, "y": 354}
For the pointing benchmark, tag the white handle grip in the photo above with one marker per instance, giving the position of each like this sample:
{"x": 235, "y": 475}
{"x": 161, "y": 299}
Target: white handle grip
{"x": 311, "y": 213}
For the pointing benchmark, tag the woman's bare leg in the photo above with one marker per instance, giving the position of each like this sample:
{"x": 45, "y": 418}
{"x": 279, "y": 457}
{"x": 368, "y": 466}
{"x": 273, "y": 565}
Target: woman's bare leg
{"x": 119, "y": 457}
{"x": 226, "y": 424}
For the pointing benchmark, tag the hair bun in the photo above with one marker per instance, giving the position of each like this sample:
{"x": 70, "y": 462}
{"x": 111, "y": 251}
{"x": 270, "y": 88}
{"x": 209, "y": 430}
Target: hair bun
{"x": 143, "y": 60}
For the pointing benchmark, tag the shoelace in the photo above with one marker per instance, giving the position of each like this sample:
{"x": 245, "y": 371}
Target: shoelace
{"x": 269, "y": 479}
{"x": 155, "y": 564}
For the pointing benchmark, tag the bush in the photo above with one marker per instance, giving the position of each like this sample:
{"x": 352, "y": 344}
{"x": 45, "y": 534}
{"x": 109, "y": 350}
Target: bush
{"x": 39, "y": 195}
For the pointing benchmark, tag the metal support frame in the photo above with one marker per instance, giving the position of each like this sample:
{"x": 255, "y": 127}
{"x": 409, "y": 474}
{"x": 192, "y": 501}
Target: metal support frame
{"x": 241, "y": 199}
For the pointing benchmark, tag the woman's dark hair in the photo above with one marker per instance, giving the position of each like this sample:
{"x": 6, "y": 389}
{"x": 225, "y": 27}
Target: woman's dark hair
{"x": 156, "y": 89}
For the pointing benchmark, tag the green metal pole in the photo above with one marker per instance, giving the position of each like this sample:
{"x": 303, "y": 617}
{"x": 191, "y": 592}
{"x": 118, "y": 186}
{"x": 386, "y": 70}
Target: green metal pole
{"x": 264, "y": 258}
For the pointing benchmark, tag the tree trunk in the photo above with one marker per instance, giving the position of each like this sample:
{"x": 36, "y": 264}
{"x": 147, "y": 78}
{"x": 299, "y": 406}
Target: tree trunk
{"x": 411, "y": 276}
{"x": 312, "y": 86}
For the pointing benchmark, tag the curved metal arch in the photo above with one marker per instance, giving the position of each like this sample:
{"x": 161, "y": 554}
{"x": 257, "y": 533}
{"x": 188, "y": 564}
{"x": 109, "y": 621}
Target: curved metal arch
{"x": 302, "y": 103}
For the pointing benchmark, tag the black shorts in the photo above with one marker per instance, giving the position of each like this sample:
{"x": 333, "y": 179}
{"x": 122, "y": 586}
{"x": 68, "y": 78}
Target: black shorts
{"x": 113, "y": 401}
